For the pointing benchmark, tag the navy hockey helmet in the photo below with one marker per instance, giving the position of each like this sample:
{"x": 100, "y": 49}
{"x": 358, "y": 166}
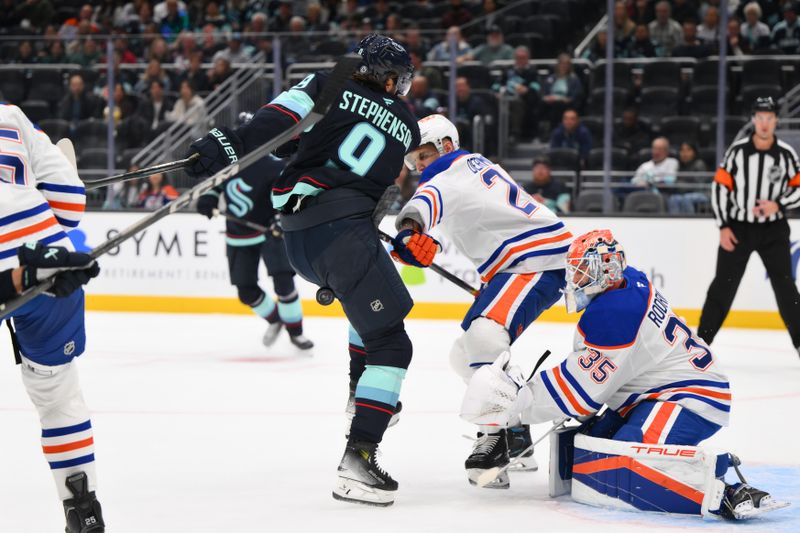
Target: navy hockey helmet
{"x": 764, "y": 103}
{"x": 382, "y": 59}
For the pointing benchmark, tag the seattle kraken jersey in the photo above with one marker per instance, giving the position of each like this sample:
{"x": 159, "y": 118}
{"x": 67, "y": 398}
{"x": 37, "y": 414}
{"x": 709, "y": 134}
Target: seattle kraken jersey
{"x": 489, "y": 218}
{"x": 359, "y": 144}
{"x": 630, "y": 347}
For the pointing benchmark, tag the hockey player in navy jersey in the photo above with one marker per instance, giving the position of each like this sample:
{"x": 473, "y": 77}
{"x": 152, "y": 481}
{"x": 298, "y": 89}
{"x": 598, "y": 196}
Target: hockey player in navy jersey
{"x": 326, "y": 196}
{"x": 663, "y": 389}
{"x": 247, "y": 197}
{"x": 41, "y": 198}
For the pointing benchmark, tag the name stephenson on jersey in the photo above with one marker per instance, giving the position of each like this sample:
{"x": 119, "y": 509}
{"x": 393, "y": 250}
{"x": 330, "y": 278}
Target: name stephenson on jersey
{"x": 630, "y": 347}
{"x": 489, "y": 218}
{"x": 41, "y": 195}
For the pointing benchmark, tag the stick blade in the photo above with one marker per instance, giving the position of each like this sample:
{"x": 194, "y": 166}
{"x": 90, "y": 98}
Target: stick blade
{"x": 68, "y": 149}
{"x": 488, "y": 476}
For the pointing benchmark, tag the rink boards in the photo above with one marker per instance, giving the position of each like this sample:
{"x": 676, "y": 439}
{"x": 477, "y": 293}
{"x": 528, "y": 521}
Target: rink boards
{"x": 179, "y": 265}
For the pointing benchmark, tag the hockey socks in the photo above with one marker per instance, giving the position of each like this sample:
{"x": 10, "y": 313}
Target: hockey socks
{"x": 376, "y": 398}
{"x": 291, "y": 313}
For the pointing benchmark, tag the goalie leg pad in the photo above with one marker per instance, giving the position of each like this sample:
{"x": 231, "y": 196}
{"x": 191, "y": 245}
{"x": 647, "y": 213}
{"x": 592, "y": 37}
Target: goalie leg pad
{"x": 647, "y": 477}
{"x": 479, "y": 345}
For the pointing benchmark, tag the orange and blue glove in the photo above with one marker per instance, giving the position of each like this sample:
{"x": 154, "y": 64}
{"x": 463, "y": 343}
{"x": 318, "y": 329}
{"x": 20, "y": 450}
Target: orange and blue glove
{"x": 414, "y": 248}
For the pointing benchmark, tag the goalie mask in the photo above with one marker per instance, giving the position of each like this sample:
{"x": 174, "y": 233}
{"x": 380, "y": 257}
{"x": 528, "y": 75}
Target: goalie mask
{"x": 434, "y": 129}
{"x": 595, "y": 263}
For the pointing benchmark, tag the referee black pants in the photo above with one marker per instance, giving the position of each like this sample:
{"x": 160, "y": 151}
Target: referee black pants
{"x": 771, "y": 241}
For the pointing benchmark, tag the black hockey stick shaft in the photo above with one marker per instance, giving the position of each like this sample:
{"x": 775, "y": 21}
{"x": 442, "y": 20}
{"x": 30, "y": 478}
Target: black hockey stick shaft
{"x": 242, "y": 222}
{"x": 330, "y": 93}
{"x": 439, "y": 270}
{"x": 141, "y": 173}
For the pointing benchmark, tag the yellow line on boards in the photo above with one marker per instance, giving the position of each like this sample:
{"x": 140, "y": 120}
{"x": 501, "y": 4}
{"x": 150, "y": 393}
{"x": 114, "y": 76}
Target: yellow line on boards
{"x": 421, "y": 310}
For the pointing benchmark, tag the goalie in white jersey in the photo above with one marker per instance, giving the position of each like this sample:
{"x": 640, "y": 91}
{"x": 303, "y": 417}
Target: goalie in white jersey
{"x": 663, "y": 389}
{"x": 516, "y": 244}
{"x": 41, "y": 198}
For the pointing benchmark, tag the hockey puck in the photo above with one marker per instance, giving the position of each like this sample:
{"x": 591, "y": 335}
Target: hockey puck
{"x": 325, "y": 296}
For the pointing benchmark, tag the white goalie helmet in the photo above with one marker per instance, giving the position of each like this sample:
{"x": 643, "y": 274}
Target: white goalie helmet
{"x": 595, "y": 263}
{"x": 435, "y": 129}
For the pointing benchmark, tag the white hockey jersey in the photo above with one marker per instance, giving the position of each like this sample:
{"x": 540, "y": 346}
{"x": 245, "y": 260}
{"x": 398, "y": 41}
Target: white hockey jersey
{"x": 489, "y": 218}
{"x": 41, "y": 196}
{"x": 629, "y": 346}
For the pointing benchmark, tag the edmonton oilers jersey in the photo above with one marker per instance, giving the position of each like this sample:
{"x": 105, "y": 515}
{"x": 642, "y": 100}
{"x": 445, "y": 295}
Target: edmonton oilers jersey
{"x": 247, "y": 195}
{"x": 359, "y": 144}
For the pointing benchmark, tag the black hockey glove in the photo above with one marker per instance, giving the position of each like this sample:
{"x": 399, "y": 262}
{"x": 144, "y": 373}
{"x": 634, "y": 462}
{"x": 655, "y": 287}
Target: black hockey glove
{"x": 220, "y": 148}
{"x": 206, "y": 204}
{"x": 72, "y": 269}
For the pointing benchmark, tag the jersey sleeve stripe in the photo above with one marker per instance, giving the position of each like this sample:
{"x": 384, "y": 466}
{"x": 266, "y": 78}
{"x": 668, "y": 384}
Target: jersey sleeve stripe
{"x": 286, "y": 112}
{"x": 554, "y": 394}
{"x": 67, "y": 222}
{"x": 578, "y": 388}
{"x": 67, "y": 206}
{"x": 296, "y": 101}
{"x": 441, "y": 202}
{"x": 551, "y": 251}
{"x": 55, "y": 187}
{"x": 522, "y": 236}
{"x": 435, "y": 215}
{"x": 428, "y": 203}
{"x": 690, "y": 382}
{"x": 568, "y": 393}
{"x": 28, "y": 230}
{"x": 522, "y": 247}
{"x": 41, "y": 208}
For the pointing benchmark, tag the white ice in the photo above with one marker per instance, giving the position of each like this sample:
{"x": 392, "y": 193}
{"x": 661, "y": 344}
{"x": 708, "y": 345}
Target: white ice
{"x": 199, "y": 428}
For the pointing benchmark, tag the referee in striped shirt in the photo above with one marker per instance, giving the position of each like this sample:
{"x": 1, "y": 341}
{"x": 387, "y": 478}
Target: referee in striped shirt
{"x": 757, "y": 181}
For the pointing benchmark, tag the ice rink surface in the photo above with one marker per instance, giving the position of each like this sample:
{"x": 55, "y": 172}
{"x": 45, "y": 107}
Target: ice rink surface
{"x": 199, "y": 428}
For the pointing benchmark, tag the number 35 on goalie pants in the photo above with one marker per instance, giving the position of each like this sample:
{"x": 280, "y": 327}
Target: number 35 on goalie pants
{"x": 635, "y": 476}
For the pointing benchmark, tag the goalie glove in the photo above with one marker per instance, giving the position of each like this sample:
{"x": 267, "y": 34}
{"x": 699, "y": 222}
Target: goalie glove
{"x": 496, "y": 394}
{"x": 72, "y": 269}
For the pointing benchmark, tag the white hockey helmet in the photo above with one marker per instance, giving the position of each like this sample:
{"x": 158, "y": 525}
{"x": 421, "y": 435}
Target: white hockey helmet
{"x": 595, "y": 262}
{"x": 435, "y": 129}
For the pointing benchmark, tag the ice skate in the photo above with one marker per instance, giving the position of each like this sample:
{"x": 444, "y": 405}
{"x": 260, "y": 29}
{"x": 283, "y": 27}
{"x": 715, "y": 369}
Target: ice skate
{"x": 361, "y": 479}
{"x": 741, "y": 501}
{"x": 82, "y": 511}
{"x": 271, "y": 335}
{"x": 489, "y": 451}
{"x": 519, "y": 439}
{"x": 301, "y": 341}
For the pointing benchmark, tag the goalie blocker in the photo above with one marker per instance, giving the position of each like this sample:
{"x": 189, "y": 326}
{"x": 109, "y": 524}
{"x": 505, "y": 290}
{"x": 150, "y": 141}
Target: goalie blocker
{"x": 650, "y": 477}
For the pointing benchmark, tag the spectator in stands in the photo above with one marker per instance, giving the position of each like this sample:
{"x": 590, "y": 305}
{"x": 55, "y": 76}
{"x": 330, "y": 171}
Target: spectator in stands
{"x": 468, "y": 106}
{"x": 546, "y": 190}
{"x": 456, "y": 15}
{"x": 489, "y": 14}
{"x": 753, "y": 31}
{"x": 690, "y": 45}
{"x": 665, "y": 31}
{"x": 641, "y": 12}
{"x": 175, "y": 21}
{"x": 219, "y": 73}
{"x": 770, "y": 11}
{"x": 522, "y": 82}
{"x": 786, "y": 33}
{"x": 421, "y": 100}
{"x": 213, "y": 16}
{"x": 189, "y": 108}
{"x": 159, "y": 49}
{"x": 433, "y": 74}
{"x": 280, "y": 22}
{"x": 708, "y": 31}
{"x": 54, "y": 54}
{"x": 631, "y": 134}
{"x": 314, "y": 18}
{"x": 127, "y": 16}
{"x": 195, "y": 74}
{"x": 78, "y": 104}
{"x": 561, "y": 90}
{"x": 125, "y": 193}
{"x": 153, "y": 72}
{"x": 688, "y": 160}
{"x": 210, "y": 42}
{"x": 161, "y": 9}
{"x": 154, "y": 109}
{"x": 122, "y": 46}
{"x": 572, "y": 134}
{"x": 120, "y": 98}
{"x": 623, "y": 28}
{"x": 184, "y": 46}
{"x": 641, "y": 45}
{"x": 493, "y": 49}
{"x": 257, "y": 24}
{"x": 70, "y": 28}
{"x": 235, "y": 52}
{"x": 413, "y": 40}
{"x": 379, "y": 14}
{"x": 156, "y": 192}
{"x": 25, "y": 53}
{"x": 296, "y": 44}
{"x": 145, "y": 19}
{"x": 441, "y": 52}
{"x": 598, "y": 49}
{"x": 88, "y": 55}
{"x": 736, "y": 47}
{"x": 660, "y": 170}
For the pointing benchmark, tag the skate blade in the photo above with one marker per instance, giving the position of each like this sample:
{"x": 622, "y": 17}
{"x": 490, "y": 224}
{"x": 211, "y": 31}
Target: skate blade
{"x": 490, "y": 478}
{"x": 352, "y": 491}
{"x": 269, "y": 339}
{"x": 753, "y": 512}
{"x": 523, "y": 464}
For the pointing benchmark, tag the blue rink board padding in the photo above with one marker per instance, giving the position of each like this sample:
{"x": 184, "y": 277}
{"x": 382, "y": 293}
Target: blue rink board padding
{"x": 782, "y": 482}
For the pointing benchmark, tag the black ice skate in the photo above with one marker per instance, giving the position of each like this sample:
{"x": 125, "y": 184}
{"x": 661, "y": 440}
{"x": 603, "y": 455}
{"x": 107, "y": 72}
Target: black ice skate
{"x": 361, "y": 479}
{"x": 82, "y": 511}
{"x": 301, "y": 341}
{"x": 489, "y": 451}
{"x": 741, "y": 501}
{"x": 519, "y": 440}
{"x": 271, "y": 335}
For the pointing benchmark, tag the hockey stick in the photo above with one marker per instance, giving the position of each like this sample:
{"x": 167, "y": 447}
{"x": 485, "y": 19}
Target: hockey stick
{"x": 141, "y": 173}
{"x": 333, "y": 87}
{"x": 492, "y": 473}
{"x": 242, "y": 222}
{"x": 385, "y": 237}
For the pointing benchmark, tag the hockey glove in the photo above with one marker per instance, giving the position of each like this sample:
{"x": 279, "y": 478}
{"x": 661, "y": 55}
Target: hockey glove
{"x": 207, "y": 203}
{"x": 220, "y": 148}
{"x": 496, "y": 395}
{"x": 275, "y": 227}
{"x": 415, "y": 248}
{"x": 72, "y": 269}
